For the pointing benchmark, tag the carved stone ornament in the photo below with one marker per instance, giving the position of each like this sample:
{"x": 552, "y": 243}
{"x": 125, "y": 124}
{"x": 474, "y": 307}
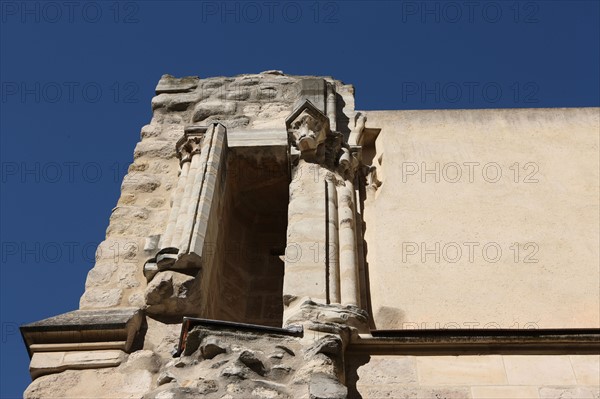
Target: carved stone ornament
{"x": 308, "y": 127}
{"x": 188, "y": 145}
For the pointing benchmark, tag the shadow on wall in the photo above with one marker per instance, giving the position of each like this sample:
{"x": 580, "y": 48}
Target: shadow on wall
{"x": 352, "y": 366}
{"x": 389, "y": 318}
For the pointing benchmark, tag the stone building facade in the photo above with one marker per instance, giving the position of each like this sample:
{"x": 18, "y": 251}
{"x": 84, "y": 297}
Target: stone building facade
{"x": 271, "y": 241}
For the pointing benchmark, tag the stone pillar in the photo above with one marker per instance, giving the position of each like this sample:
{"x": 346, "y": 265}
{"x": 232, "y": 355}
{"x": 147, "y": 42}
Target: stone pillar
{"x": 305, "y": 258}
{"x": 306, "y": 251}
{"x": 185, "y": 159}
{"x": 333, "y": 265}
{"x": 331, "y": 107}
{"x": 195, "y": 184}
{"x": 322, "y": 212}
{"x": 194, "y": 145}
{"x": 349, "y": 291}
{"x": 201, "y": 151}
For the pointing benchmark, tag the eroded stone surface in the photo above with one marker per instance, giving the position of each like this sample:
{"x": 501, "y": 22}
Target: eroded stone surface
{"x": 171, "y": 84}
{"x": 171, "y": 292}
{"x": 312, "y": 171}
{"x": 54, "y": 362}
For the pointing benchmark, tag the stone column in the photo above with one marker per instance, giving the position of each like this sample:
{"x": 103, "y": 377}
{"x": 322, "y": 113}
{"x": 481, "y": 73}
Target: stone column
{"x": 349, "y": 291}
{"x": 332, "y": 253}
{"x": 195, "y": 183}
{"x": 187, "y": 198}
{"x": 185, "y": 157}
{"x": 331, "y": 107}
{"x": 305, "y": 258}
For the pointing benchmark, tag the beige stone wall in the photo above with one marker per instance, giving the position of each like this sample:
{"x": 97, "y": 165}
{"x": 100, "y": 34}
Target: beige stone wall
{"x": 550, "y": 209}
{"x": 477, "y": 377}
{"x": 414, "y": 225}
{"x": 245, "y": 102}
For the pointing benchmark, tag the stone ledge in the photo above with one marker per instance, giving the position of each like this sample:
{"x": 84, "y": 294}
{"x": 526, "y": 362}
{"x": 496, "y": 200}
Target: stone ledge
{"x": 105, "y": 328}
{"x": 488, "y": 341}
{"x": 191, "y": 322}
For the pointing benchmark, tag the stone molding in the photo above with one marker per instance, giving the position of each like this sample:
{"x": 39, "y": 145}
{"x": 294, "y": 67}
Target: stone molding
{"x": 81, "y": 339}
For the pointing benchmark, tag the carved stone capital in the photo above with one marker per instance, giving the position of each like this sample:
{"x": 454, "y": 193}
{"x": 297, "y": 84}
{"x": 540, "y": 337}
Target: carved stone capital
{"x": 188, "y": 145}
{"x": 312, "y": 140}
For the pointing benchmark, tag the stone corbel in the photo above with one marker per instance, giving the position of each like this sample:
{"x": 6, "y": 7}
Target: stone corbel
{"x": 308, "y": 128}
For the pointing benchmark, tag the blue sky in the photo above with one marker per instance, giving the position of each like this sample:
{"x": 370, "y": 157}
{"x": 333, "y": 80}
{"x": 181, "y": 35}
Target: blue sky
{"x": 77, "y": 80}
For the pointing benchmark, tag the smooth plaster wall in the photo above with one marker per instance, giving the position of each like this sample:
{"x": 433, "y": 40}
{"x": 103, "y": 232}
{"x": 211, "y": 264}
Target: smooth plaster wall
{"x": 558, "y": 214}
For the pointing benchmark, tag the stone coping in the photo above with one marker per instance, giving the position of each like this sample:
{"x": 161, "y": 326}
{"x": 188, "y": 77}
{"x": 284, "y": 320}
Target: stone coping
{"x": 190, "y": 322}
{"x": 107, "y": 326}
{"x": 83, "y": 319}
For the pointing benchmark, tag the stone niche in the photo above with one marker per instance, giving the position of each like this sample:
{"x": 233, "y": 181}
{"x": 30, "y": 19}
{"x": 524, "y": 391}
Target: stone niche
{"x": 254, "y": 222}
{"x": 221, "y": 254}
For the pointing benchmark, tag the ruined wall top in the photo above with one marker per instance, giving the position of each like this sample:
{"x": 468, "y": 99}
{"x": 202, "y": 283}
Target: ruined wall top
{"x": 257, "y": 101}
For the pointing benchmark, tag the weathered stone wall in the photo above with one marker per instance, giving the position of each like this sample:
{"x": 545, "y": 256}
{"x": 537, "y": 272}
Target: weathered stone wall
{"x": 249, "y": 221}
{"x": 245, "y": 102}
{"x": 263, "y": 205}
